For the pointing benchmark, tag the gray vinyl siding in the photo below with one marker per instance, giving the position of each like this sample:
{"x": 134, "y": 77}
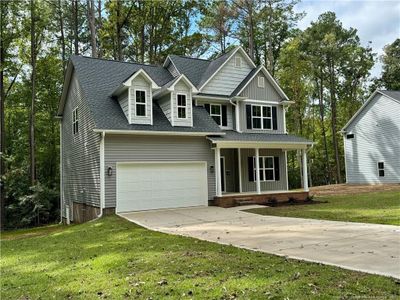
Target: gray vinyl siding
{"x": 268, "y": 93}
{"x": 279, "y": 115}
{"x": 125, "y": 148}
{"x": 141, "y": 83}
{"x": 80, "y": 152}
{"x": 181, "y": 87}
{"x": 250, "y": 186}
{"x": 376, "y": 139}
{"x": 124, "y": 103}
{"x": 165, "y": 104}
{"x": 228, "y": 78}
{"x": 229, "y": 112}
{"x": 171, "y": 68}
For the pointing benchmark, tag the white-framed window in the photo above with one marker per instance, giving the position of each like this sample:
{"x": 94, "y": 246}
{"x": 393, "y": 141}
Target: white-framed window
{"x": 261, "y": 117}
{"x": 182, "y": 106}
{"x": 140, "y": 103}
{"x": 267, "y": 168}
{"x": 381, "y": 169}
{"x": 216, "y": 113}
{"x": 238, "y": 62}
{"x": 261, "y": 83}
{"x": 75, "y": 121}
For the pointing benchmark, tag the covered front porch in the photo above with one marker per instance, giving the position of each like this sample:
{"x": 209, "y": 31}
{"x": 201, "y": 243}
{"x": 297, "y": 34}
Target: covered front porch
{"x": 252, "y": 168}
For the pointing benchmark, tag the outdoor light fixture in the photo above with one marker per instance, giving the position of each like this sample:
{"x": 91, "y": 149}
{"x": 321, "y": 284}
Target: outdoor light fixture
{"x": 109, "y": 171}
{"x": 212, "y": 169}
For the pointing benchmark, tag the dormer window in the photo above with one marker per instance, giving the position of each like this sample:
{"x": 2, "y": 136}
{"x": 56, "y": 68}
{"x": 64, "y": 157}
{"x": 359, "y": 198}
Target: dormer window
{"x": 75, "y": 121}
{"x": 261, "y": 83}
{"x": 238, "y": 62}
{"x": 140, "y": 103}
{"x": 181, "y": 101}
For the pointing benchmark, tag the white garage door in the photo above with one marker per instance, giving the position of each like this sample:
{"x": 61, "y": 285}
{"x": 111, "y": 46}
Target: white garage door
{"x": 144, "y": 186}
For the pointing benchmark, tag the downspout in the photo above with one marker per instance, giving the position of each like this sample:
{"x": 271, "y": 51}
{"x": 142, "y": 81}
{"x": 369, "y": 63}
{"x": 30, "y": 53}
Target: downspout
{"x": 61, "y": 176}
{"x": 102, "y": 179}
{"x": 237, "y": 115}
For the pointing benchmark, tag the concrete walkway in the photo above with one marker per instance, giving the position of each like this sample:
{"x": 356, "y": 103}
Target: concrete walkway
{"x": 363, "y": 247}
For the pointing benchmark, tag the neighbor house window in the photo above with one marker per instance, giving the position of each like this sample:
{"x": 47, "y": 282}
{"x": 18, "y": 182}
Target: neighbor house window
{"x": 181, "y": 100}
{"x": 238, "y": 62}
{"x": 350, "y": 136}
{"x": 381, "y": 169}
{"x": 261, "y": 117}
{"x": 75, "y": 120}
{"x": 261, "y": 81}
{"x": 267, "y": 170}
{"x": 140, "y": 102}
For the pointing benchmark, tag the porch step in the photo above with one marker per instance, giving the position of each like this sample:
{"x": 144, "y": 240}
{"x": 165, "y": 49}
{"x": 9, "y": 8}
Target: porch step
{"x": 245, "y": 201}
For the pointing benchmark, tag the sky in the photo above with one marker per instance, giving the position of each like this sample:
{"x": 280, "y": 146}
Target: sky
{"x": 377, "y": 21}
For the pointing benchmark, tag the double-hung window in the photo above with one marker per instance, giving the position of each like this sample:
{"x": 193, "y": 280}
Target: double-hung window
{"x": 75, "y": 121}
{"x": 216, "y": 113}
{"x": 181, "y": 102}
{"x": 140, "y": 103}
{"x": 381, "y": 169}
{"x": 261, "y": 117}
{"x": 267, "y": 169}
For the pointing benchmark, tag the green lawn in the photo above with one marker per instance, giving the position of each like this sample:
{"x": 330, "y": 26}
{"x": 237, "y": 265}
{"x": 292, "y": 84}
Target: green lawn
{"x": 380, "y": 208}
{"x": 112, "y": 258}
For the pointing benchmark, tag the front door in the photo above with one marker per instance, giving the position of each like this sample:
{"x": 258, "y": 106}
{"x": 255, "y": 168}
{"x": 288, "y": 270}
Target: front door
{"x": 223, "y": 180}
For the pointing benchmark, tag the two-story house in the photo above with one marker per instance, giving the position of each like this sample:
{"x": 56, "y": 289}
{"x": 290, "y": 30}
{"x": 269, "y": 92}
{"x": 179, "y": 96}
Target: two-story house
{"x": 187, "y": 133}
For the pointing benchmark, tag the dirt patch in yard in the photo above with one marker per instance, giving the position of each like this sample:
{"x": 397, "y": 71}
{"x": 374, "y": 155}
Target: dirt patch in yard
{"x": 348, "y": 189}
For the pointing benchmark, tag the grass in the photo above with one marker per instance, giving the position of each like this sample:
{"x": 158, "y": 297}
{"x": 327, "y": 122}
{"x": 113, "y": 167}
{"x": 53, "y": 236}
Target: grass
{"x": 113, "y": 258}
{"x": 379, "y": 208}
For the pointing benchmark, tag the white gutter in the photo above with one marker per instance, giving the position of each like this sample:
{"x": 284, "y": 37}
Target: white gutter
{"x": 102, "y": 179}
{"x": 61, "y": 176}
{"x": 150, "y": 132}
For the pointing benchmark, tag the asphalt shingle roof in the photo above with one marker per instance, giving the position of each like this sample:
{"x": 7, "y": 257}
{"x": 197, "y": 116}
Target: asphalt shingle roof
{"x": 393, "y": 94}
{"x": 98, "y": 78}
{"x": 259, "y": 137}
{"x": 245, "y": 81}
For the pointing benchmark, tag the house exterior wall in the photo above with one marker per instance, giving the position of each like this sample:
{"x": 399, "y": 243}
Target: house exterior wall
{"x": 127, "y": 148}
{"x": 250, "y": 186}
{"x": 171, "y": 68}
{"x": 268, "y": 92}
{"x": 230, "y": 118}
{"x": 123, "y": 100}
{"x": 141, "y": 83}
{"x": 165, "y": 105}
{"x": 228, "y": 78}
{"x": 80, "y": 152}
{"x": 376, "y": 139}
{"x": 183, "y": 88}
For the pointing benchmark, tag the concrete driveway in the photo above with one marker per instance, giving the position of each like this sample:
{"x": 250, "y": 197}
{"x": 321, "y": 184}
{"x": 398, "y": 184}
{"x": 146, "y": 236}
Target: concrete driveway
{"x": 363, "y": 247}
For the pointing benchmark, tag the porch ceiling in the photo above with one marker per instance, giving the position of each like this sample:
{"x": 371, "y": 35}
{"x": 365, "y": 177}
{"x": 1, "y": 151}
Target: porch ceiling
{"x": 233, "y": 139}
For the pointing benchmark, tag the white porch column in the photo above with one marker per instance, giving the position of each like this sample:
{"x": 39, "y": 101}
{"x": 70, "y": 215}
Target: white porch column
{"x": 305, "y": 175}
{"x": 218, "y": 186}
{"x": 258, "y": 171}
{"x": 240, "y": 169}
{"x": 237, "y": 117}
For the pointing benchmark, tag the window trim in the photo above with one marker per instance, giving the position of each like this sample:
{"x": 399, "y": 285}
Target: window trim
{"x": 263, "y": 81}
{"x": 140, "y": 103}
{"x": 261, "y": 117}
{"x": 264, "y": 168}
{"x": 220, "y": 113}
{"x": 238, "y": 59}
{"x": 181, "y": 106}
{"x": 381, "y": 169}
{"x": 75, "y": 121}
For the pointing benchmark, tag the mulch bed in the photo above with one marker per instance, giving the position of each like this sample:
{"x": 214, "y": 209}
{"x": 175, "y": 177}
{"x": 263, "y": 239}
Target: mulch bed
{"x": 294, "y": 202}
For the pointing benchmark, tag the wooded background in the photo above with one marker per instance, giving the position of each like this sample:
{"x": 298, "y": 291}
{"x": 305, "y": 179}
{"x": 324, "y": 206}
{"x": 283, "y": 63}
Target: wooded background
{"x": 324, "y": 69}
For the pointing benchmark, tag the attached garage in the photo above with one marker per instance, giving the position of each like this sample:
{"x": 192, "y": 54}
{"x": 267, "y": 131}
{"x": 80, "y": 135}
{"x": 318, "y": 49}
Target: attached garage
{"x": 155, "y": 185}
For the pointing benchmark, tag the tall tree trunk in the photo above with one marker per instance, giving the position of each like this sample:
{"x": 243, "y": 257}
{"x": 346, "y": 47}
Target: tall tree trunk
{"x": 32, "y": 110}
{"x": 334, "y": 120}
{"x": 62, "y": 36}
{"x": 322, "y": 118}
{"x": 250, "y": 8}
{"x": 92, "y": 27}
{"x": 100, "y": 25}
{"x": 75, "y": 25}
{"x": 2, "y": 130}
{"x": 118, "y": 31}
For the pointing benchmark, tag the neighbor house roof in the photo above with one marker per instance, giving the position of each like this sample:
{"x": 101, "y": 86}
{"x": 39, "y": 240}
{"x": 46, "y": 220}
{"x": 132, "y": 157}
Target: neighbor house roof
{"x": 99, "y": 78}
{"x": 394, "y": 95}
